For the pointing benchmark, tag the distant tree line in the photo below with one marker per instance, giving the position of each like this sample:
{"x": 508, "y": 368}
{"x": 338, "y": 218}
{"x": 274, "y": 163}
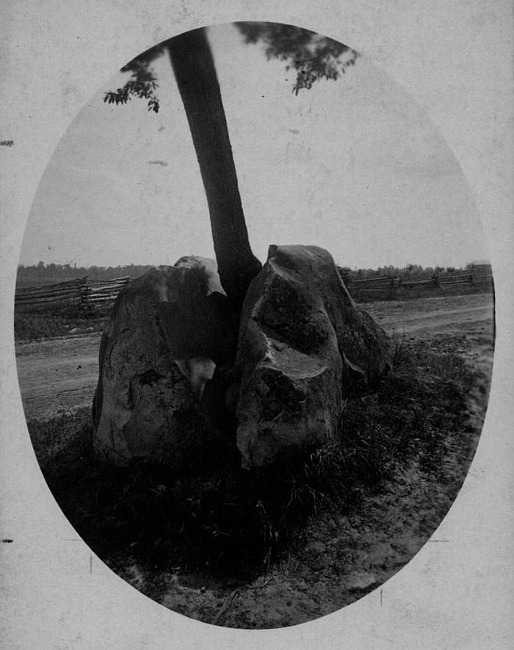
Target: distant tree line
{"x": 51, "y": 273}
{"x": 408, "y": 272}
{"x": 42, "y": 273}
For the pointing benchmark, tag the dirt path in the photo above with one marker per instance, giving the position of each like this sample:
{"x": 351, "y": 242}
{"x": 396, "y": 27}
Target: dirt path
{"x": 432, "y": 316}
{"x": 58, "y": 374}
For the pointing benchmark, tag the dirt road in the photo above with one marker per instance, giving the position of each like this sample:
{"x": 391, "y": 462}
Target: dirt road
{"x": 433, "y": 316}
{"x": 58, "y": 374}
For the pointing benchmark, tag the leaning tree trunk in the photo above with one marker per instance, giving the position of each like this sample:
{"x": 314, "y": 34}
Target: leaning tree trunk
{"x": 197, "y": 80}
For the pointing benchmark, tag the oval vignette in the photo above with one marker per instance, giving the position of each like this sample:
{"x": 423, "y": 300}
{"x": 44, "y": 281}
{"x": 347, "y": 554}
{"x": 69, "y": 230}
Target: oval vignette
{"x": 327, "y": 152}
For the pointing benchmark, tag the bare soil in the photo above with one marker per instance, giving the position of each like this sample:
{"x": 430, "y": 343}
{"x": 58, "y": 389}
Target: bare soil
{"x": 57, "y": 374}
{"x": 341, "y": 556}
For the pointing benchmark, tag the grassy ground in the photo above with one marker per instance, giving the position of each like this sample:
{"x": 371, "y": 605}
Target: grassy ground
{"x": 220, "y": 544}
{"x": 415, "y": 293}
{"x": 33, "y": 326}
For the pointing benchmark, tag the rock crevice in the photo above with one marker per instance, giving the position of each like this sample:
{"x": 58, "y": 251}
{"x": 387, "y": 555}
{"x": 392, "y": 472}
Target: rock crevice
{"x": 175, "y": 353}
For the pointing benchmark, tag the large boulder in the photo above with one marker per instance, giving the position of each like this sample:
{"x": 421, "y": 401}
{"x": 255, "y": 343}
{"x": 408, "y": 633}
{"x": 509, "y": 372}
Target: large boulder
{"x": 303, "y": 346}
{"x": 159, "y": 396}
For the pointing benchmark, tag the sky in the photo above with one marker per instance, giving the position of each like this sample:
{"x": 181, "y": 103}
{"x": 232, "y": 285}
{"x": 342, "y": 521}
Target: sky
{"x": 354, "y": 166}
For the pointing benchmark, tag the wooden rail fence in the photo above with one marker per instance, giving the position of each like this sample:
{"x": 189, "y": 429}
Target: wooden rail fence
{"x": 388, "y": 286}
{"x": 78, "y": 292}
{"x": 84, "y": 294}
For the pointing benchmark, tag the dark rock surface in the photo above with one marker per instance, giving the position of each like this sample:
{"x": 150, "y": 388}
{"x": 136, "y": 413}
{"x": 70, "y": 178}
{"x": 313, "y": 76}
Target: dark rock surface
{"x": 172, "y": 360}
{"x": 170, "y": 332}
{"x": 303, "y": 346}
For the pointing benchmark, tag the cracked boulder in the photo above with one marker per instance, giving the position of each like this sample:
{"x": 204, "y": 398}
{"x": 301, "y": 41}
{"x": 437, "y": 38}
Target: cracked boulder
{"x": 303, "y": 347}
{"x": 159, "y": 396}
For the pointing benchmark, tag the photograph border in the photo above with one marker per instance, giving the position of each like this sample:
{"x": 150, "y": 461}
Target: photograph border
{"x": 55, "y": 592}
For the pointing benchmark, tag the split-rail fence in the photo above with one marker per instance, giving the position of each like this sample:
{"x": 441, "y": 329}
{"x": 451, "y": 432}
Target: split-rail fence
{"x": 78, "y": 292}
{"x": 100, "y": 295}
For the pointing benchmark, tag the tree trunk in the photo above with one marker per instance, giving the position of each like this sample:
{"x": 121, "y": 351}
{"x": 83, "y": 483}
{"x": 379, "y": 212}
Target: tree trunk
{"x": 197, "y": 80}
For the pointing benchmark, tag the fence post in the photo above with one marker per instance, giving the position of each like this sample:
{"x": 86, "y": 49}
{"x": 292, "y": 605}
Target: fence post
{"x": 84, "y": 291}
{"x": 392, "y": 293}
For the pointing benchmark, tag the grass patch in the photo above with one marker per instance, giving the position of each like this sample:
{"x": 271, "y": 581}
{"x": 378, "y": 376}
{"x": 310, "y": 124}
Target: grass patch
{"x": 33, "y": 326}
{"x": 234, "y": 523}
{"x": 421, "y": 292}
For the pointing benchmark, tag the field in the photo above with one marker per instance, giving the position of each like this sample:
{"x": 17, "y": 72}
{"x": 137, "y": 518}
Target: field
{"x": 328, "y": 542}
